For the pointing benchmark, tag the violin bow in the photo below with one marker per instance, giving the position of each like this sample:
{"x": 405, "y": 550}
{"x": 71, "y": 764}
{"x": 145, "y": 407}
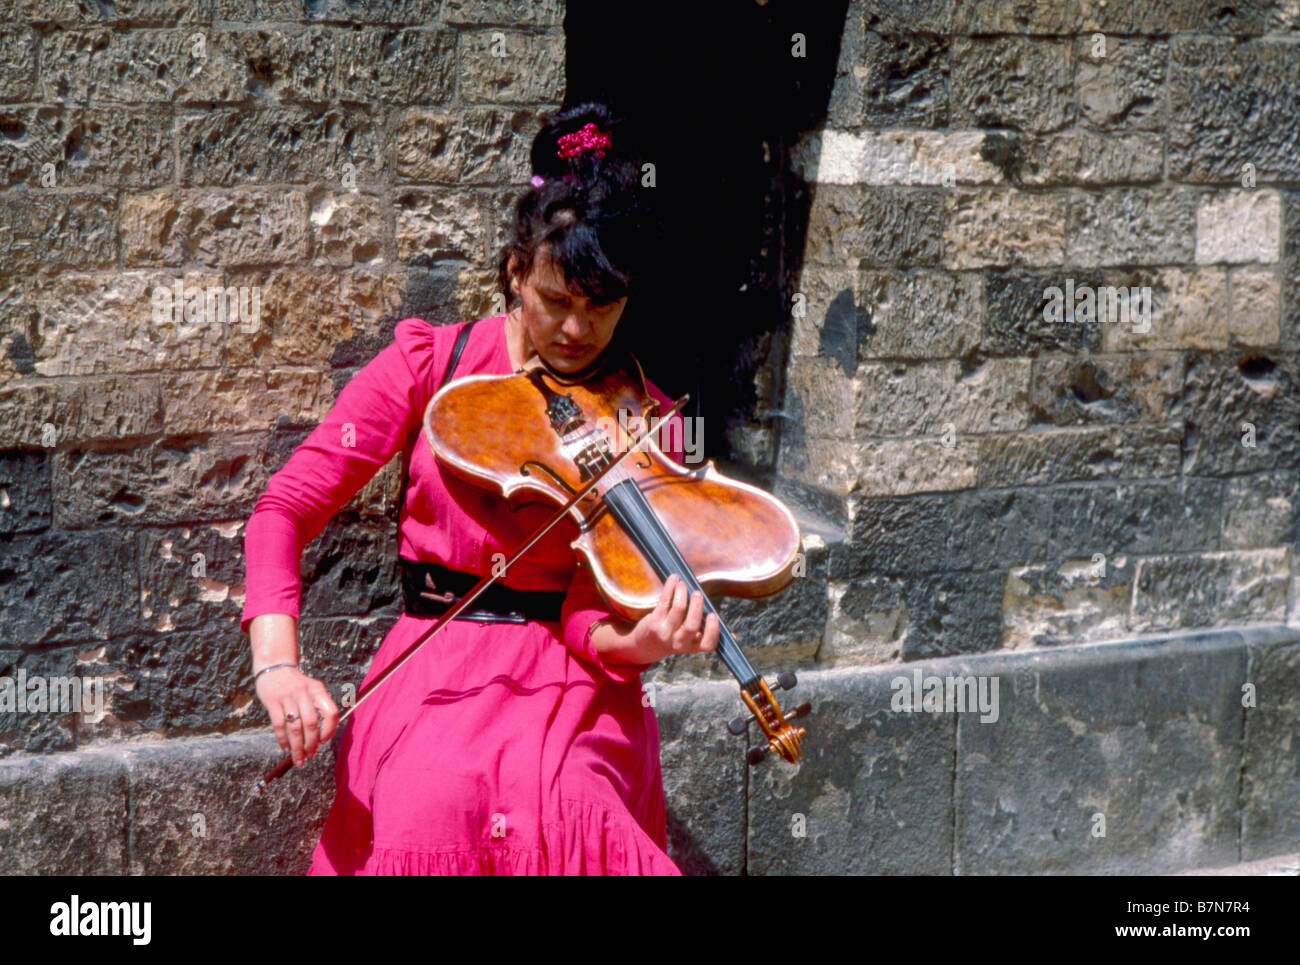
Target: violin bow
{"x": 286, "y": 764}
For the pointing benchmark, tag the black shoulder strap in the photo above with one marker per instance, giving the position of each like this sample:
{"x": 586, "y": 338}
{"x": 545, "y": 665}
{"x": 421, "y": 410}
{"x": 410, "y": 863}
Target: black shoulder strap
{"x": 461, "y": 338}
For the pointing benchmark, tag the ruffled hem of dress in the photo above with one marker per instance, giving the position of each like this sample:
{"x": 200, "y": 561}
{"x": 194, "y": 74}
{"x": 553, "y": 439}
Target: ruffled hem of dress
{"x": 589, "y": 839}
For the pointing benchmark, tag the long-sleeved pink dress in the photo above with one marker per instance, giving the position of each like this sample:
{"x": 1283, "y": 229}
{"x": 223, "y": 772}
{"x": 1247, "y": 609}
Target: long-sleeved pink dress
{"x": 499, "y": 748}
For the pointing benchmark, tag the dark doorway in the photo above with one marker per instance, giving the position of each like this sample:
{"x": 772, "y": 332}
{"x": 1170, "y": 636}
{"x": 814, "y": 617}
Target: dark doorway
{"x": 716, "y": 97}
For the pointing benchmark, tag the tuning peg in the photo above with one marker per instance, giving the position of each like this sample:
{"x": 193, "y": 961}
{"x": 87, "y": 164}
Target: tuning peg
{"x": 738, "y": 725}
{"x": 785, "y": 681}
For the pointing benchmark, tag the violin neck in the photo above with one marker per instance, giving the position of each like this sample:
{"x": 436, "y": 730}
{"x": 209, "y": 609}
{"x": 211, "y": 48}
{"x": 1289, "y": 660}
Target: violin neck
{"x": 639, "y": 521}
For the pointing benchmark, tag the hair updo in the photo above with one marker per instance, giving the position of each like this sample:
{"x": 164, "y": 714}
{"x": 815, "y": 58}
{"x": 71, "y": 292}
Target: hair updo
{"x": 588, "y": 212}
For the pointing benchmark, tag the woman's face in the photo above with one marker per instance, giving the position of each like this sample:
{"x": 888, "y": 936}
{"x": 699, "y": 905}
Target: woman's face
{"x": 568, "y": 331}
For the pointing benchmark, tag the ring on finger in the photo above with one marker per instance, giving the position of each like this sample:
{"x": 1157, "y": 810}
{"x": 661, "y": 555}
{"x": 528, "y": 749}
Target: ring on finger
{"x": 290, "y": 716}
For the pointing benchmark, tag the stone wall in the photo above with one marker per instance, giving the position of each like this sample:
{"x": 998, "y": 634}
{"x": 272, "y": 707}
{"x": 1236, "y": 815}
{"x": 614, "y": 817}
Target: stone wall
{"x": 998, "y": 477}
{"x": 985, "y": 492}
{"x": 348, "y": 163}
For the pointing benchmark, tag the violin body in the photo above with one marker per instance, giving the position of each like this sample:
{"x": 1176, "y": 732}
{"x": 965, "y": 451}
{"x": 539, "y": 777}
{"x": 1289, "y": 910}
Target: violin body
{"x": 494, "y": 432}
{"x": 539, "y": 435}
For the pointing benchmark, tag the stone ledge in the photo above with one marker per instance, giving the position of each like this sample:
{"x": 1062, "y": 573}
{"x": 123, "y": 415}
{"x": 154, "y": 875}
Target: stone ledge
{"x": 1150, "y": 733}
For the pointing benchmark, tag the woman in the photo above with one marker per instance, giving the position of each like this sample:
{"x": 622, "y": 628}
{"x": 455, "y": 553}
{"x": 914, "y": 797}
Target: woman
{"x": 509, "y": 744}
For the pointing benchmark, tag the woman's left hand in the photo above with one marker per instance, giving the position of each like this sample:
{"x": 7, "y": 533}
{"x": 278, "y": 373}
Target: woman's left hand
{"x": 676, "y": 625}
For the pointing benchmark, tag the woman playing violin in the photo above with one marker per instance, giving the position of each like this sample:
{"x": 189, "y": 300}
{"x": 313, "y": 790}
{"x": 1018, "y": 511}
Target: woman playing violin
{"x": 516, "y": 741}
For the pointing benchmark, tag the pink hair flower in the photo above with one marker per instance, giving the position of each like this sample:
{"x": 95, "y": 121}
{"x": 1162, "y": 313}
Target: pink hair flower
{"x": 588, "y": 137}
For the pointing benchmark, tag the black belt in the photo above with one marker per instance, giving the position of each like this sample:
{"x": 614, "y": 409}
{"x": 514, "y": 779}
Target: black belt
{"x": 430, "y": 590}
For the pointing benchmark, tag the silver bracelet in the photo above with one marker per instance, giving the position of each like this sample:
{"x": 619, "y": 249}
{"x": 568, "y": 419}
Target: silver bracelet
{"x": 274, "y": 666}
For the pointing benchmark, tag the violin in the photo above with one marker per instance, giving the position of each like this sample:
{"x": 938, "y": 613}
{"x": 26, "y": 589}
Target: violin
{"x": 538, "y": 434}
{"x": 541, "y": 435}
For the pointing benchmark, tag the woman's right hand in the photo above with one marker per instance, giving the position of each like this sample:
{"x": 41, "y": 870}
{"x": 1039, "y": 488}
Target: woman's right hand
{"x": 287, "y": 690}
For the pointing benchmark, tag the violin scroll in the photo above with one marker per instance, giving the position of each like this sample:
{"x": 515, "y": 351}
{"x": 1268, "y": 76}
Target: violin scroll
{"x": 782, "y": 737}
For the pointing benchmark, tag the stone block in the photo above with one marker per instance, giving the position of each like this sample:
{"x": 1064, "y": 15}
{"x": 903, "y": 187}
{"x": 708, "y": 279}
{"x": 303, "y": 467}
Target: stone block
{"x": 1086, "y": 158}
{"x": 191, "y": 578}
{"x": 188, "y": 681}
{"x": 24, "y": 491}
{"x": 350, "y": 570}
{"x": 126, "y": 321}
{"x": 335, "y": 145}
{"x": 439, "y": 224}
{"x": 17, "y": 63}
{"x": 1078, "y": 601}
{"x": 397, "y": 67}
{"x": 907, "y": 158}
{"x": 1270, "y": 786}
{"x": 878, "y": 619}
{"x": 820, "y": 397}
{"x": 347, "y": 228}
{"x": 1121, "y": 86}
{"x": 875, "y": 227}
{"x": 283, "y": 64}
{"x": 40, "y": 230}
{"x": 1238, "y": 226}
{"x": 64, "y": 814}
{"x": 1017, "y": 320}
{"x": 212, "y": 401}
{"x": 1204, "y": 16}
{"x": 1188, "y": 308}
{"x": 173, "y": 480}
{"x": 991, "y": 227}
{"x": 871, "y": 794}
{"x": 77, "y": 13}
{"x": 704, "y": 775}
{"x": 86, "y": 147}
{"x": 477, "y": 13}
{"x": 99, "y": 66}
{"x": 191, "y": 813}
{"x": 66, "y": 588}
{"x": 931, "y": 398}
{"x": 1117, "y": 760}
{"x": 1256, "y": 299}
{"x": 1242, "y": 413}
{"x": 214, "y": 228}
{"x": 510, "y": 67}
{"x": 1011, "y": 82}
{"x": 52, "y": 413}
{"x": 313, "y": 317}
{"x": 1260, "y": 510}
{"x": 1211, "y": 589}
{"x": 1131, "y": 226}
{"x": 1106, "y": 389}
{"x": 1228, "y": 109}
{"x": 1174, "y": 515}
{"x": 1040, "y": 458}
{"x": 893, "y": 79}
{"x": 896, "y": 467}
{"x": 477, "y": 145}
{"x": 981, "y": 530}
{"x": 53, "y": 697}
{"x": 1065, "y": 17}
{"x": 829, "y": 465}
{"x": 1289, "y": 281}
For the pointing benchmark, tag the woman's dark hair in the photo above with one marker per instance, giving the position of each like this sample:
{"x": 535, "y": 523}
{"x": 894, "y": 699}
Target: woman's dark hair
{"x": 589, "y": 212}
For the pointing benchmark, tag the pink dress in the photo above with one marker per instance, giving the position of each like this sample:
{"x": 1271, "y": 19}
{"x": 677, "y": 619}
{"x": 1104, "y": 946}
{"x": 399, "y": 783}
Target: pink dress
{"x": 499, "y": 748}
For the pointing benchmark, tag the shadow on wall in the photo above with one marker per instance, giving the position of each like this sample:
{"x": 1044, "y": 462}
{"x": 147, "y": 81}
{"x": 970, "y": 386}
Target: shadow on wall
{"x": 717, "y": 95}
